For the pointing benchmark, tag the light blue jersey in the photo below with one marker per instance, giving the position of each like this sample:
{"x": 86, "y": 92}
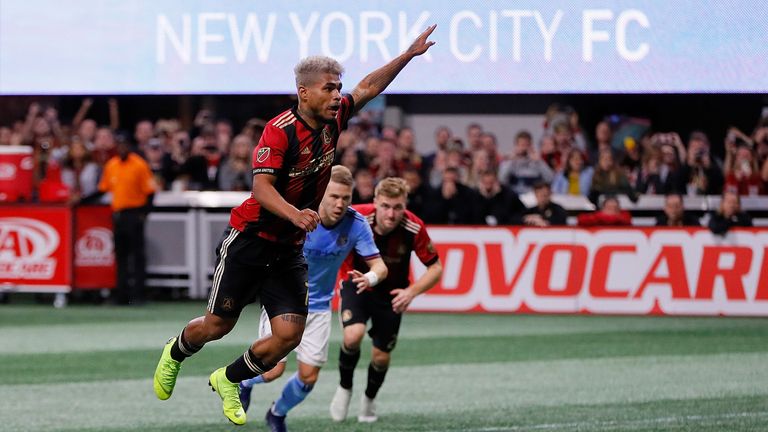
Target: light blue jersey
{"x": 326, "y": 248}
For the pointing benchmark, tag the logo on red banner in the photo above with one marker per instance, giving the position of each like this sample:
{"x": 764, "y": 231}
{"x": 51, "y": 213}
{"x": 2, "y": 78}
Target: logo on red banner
{"x": 26, "y": 246}
{"x": 94, "y": 248}
{"x": 7, "y": 171}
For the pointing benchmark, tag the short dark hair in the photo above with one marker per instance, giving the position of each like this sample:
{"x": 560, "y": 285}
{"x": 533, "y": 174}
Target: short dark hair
{"x": 524, "y": 134}
{"x": 541, "y": 185}
{"x": 490, "y": 172}
{"x": 609, "y": 197}
{"x": 673, "y": 194}
{"x": 698, "y": 136}
{"x": 452, "y": 169}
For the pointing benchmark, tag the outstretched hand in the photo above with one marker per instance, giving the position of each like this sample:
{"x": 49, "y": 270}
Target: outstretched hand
{"x": 421, "y": 44}
{"x": 358, "y": 278}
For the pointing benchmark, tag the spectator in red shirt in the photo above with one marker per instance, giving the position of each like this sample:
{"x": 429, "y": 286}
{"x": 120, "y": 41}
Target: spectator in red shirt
{"x": 742, "y": 175}
{"x": 610, "y": 214}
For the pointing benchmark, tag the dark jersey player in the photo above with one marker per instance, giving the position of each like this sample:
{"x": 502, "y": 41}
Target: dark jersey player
{"x": 397, "y": 233}
{"x": 260, "y": 256}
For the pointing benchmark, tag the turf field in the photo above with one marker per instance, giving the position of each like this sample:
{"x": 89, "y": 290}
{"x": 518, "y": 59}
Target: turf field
{"x": 89, "y": 368}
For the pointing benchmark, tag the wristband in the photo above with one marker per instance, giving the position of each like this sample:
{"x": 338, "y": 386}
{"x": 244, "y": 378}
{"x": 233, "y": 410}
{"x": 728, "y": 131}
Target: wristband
{"x": 373, "y": 279}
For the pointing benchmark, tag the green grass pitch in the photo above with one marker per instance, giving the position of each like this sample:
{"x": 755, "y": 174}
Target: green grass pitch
{"x": 88, "y": 368}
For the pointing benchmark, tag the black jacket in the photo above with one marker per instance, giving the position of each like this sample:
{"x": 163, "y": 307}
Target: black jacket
{"x": 720, "y": 225}
{"x": 688, "y": 220}
{"x": 552, "y": 213}
{"x": 504, "y": 208}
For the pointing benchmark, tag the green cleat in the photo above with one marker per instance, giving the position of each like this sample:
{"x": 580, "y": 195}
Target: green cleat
{"x": 230, "y": 395}
{"x": 166, "y": 372}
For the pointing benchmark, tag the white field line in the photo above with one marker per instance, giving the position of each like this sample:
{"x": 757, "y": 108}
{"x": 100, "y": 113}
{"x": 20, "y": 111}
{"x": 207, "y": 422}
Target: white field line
{"x": 616, "y": 423}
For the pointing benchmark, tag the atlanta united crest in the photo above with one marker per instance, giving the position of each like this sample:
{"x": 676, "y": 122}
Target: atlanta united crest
{"x": 326, "y": 136}
{"x": 228, "y": 304}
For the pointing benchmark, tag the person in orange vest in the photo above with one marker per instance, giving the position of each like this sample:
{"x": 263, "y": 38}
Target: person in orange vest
{"x": 128, "y": 178}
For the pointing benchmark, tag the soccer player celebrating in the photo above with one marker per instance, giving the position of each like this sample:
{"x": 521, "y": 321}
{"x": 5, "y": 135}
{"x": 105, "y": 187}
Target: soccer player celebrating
{"x": 341, "y": 230}
{"x": 260, "y": 256}
{"x": 397, "y": 232}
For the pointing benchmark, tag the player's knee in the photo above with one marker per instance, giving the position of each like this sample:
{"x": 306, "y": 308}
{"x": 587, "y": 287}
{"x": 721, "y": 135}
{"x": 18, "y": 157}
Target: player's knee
{"x": 292, "y": 341}
{"x": 353, "y": 338}
{"x": 285, "y": 342}
{"x": 351, "y": 345}
{"x": 309, "y": 378}
{"x": 380, "y": 359}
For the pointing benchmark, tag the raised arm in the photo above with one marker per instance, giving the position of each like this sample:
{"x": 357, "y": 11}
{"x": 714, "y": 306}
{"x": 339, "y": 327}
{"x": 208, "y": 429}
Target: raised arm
{"x": 375, "y": 82}
{"x": 81, "y": 113}
{"x": 114, "y": 114}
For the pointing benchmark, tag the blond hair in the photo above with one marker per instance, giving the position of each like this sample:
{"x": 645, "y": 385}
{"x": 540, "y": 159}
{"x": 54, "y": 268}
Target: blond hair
{"x": 392, "y": 187}
{"x": 342, "y": 175}
{"x": 307, "y": 69}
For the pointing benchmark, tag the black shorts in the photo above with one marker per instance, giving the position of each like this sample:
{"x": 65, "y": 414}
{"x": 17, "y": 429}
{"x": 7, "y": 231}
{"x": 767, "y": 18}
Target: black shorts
{"x": 250, "y": 268}
{"x": 358, "y": 308}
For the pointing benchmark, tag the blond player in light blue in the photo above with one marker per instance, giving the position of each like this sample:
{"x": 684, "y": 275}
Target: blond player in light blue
{"x": 341, "y": 230}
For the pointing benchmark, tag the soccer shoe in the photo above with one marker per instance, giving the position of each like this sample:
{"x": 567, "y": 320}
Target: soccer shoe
{"x": 340, "y": 404}
{"x": 166, "y": 372}
{"x": 245, "y": 396}
{"x": 367, "y": 410}
{"x": 275, "y": 423}
{"x": 229, "y": 394}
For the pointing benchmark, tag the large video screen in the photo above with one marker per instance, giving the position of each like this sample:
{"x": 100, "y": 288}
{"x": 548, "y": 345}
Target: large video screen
{"x": 559, "y": 46}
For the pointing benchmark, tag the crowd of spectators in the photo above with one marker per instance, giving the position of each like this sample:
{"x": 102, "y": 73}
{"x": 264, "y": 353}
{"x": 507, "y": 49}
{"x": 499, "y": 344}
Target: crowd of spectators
{"x": 467, "y": 178}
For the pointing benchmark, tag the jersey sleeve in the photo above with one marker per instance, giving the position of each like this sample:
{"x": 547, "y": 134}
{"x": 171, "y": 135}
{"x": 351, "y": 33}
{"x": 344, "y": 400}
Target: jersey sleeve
{"x": 424, "y": 248}
{"x": 365, "y": 245}
{"x": 346, "y": 111}
{"x": 269, "y": 153}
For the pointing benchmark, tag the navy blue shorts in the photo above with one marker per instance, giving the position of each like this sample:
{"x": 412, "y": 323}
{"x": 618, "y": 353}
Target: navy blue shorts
{"x": 375, "y": 306}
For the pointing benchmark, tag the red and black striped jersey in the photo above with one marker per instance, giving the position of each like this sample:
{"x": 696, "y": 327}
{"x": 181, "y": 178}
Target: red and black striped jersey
{"x": 395, "y": 248}
{"x": 300, "y": 157}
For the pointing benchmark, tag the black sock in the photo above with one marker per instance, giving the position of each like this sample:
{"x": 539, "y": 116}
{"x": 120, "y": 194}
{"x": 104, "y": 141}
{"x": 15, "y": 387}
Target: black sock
{"x": 246, "y": 367}
{"x": 182, "y": 348}
{"x": 347, "y": 362}
{"x": 375, "y": 380}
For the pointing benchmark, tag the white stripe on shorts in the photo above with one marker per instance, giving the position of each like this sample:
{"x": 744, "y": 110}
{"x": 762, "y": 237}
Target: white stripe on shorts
{"x": 220, "y": 268}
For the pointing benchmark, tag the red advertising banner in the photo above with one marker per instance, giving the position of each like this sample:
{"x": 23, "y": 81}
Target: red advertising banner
{"x": 637, "y": 271}
{"x": 94, "y": 248}
{"x": 35, "y": 248}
